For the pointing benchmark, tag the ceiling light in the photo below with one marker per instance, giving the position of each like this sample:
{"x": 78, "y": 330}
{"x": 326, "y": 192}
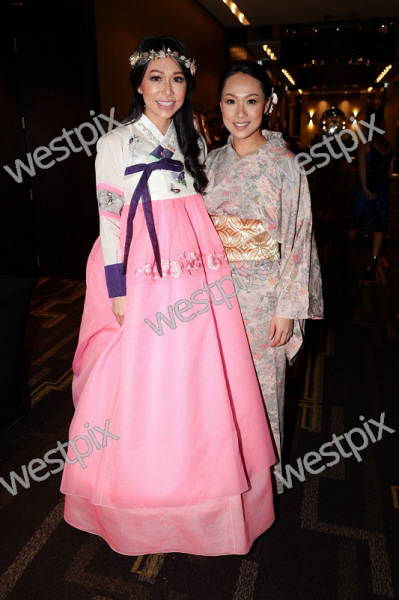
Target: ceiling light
{"x": 269, "y": 52}
{"x": 288, "y": 76}
{"x": 383, "y": 73}
{"x": 236, "y": 11}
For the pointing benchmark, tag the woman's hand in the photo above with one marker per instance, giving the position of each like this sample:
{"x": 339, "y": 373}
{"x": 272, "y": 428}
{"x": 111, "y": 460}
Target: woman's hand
{"x": 280, "y": 330}
{"x": 369, "y": 195}
{"x": 119, "y": 308}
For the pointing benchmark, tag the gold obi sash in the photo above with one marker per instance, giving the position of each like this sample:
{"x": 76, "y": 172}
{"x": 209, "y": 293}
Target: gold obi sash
{"x": 245, "y": 239}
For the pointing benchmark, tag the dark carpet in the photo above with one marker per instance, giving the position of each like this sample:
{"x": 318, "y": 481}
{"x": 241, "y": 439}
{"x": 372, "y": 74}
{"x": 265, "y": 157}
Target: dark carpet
{"x": 337, "y": 532}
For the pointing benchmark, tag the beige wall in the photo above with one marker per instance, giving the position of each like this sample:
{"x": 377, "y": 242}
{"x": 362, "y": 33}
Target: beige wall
{"x": 121, "y": 24}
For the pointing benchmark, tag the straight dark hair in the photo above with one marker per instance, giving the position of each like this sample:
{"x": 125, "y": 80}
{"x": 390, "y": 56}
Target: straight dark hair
{"x": 188, "y": 138}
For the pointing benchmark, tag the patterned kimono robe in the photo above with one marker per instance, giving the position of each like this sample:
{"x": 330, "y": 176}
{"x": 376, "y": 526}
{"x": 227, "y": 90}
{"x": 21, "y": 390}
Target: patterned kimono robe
{"x": 278, "y": 273}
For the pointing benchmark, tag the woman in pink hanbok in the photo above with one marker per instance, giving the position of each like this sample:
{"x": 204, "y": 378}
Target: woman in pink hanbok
{"x": 164, "y": 385}
{"x": 260, "y": 205}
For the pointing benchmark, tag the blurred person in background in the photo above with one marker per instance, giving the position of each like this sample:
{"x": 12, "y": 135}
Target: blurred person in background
{"x": 369, "y": 210}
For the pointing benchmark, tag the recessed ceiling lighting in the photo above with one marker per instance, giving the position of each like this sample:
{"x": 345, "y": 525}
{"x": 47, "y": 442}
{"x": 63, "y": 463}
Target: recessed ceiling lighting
{"x": 384, "y": 72}
{"x": 269, "y": 52}
{"x": 236, "y": 12}
{"x": 288, "y": 76}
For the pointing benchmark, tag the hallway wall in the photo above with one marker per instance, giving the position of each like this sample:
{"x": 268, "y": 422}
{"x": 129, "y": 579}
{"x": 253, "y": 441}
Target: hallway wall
{"x": 391, "y": 112}
{"x": 121, "y": 24}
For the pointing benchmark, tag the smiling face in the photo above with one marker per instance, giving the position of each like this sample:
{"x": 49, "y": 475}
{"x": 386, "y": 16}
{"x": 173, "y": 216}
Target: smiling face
{"x": 164, "y": 89}
{"x": 243, "y": 105}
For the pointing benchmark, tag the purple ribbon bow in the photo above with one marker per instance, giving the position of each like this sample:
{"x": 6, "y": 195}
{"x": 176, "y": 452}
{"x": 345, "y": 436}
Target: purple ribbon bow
{"x": 141, "y": 191}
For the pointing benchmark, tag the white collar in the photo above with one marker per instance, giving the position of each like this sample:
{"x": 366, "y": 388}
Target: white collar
{"x": 152, "y": 132}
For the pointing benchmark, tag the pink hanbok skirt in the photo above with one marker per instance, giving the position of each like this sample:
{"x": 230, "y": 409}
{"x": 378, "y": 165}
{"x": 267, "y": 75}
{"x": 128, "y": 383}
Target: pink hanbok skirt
{"x": 187, "y": 467}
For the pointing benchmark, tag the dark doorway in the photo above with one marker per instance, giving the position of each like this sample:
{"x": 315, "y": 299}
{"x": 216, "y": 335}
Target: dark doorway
{"x": 48, "y": 75}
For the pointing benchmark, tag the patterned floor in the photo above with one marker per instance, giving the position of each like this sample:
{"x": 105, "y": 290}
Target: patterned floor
{"x": 337, "y": 532}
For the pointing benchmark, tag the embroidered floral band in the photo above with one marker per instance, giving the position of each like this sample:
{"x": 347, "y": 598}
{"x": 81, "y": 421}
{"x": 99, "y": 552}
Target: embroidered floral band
{"x": 245, "y": 239}
{"x": 186, "y": 264}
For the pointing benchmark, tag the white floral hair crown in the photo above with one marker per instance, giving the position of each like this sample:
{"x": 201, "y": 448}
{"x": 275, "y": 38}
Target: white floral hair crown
{"x": 274, "y": 100}
{"x": 152, "y": 55}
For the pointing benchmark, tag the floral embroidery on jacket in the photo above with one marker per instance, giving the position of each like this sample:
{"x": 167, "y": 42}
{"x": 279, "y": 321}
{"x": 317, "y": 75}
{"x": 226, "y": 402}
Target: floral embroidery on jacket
{"x": 110, "y": 201}
{"x": 134, "y": 143}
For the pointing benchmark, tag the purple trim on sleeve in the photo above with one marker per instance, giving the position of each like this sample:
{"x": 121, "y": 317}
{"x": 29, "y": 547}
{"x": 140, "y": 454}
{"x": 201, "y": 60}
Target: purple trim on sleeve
{"x": 116, "y": 280}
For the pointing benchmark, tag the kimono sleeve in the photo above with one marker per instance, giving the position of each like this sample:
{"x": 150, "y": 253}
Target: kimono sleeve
{"x": 110, "y": 197}
{"x": 299, "y": 289}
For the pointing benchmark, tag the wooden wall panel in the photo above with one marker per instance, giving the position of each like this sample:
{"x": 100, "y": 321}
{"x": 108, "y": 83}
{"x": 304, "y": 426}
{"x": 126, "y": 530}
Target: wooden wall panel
{"x": 121, "y": 24}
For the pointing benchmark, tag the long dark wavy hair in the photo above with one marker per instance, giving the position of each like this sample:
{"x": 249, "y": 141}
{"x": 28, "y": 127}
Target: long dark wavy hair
{"x": 187, "y": 136}
{"x": 249, "y": 67}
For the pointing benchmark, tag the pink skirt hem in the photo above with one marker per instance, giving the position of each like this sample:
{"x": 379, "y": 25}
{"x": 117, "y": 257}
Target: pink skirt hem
{"x": 222, "y": 526}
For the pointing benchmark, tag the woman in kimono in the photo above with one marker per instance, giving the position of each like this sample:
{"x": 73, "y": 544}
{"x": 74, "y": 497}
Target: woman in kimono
{"x": 183, "y": 464}
{"x": 260, "y": 206}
